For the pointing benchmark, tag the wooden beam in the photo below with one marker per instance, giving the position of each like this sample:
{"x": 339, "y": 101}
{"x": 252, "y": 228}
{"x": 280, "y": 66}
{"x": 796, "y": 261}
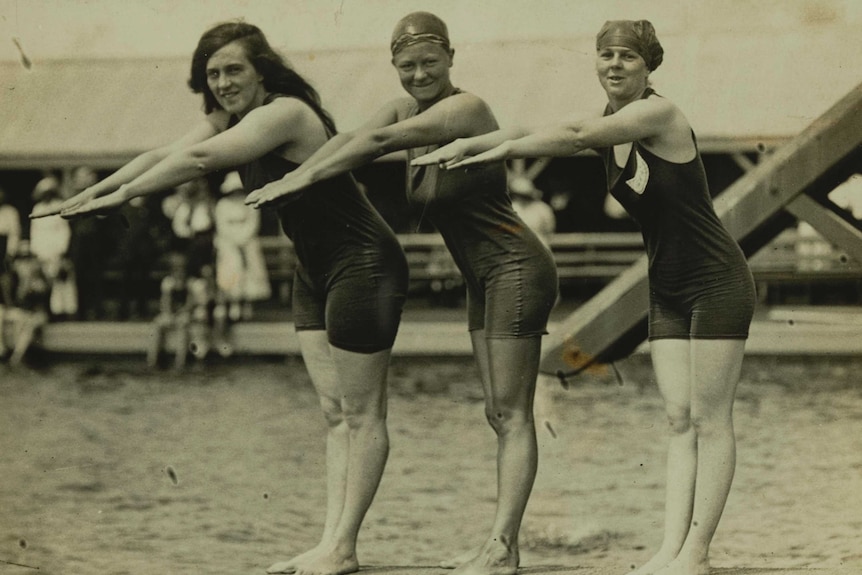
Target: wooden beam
{"x": 829, "y": 224}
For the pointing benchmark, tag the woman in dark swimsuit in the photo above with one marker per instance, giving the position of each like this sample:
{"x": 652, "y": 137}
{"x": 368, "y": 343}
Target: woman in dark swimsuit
{"x": 351, "y": 282}
{"x": 510, "y": 275}
{"x": 701, "y": 290}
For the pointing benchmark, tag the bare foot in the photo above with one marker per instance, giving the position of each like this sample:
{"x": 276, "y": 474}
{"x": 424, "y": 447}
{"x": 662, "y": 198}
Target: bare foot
{"x": 684, "y": 566}
{"x": 291, "y": 565}
{"x": 329, "y": 564}
{"x": 459, "y": 560}
{"x": 658, "y": 562}
{"x": 495, "y": 558}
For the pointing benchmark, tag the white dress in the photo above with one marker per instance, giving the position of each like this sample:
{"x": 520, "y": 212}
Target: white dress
{"x": 240, "y": 268}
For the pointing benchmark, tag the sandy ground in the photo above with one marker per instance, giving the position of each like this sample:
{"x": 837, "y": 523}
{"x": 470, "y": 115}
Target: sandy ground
{"x": 107, "y": 468}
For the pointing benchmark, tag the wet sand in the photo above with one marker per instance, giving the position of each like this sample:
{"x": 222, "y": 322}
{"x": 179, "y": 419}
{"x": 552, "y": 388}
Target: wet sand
{"x": 109, "y": 468}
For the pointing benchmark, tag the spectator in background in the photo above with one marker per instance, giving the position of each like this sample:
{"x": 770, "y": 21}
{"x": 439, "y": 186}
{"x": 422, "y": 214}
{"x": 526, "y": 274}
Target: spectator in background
{"x": 10, "y": 236}
{"x": 10, "y": 227}
{"x": 241, "y": 273}
{"x": 91, "y": 246}
{"x": 193, "y": 222}
{"x": 528, "y": 204}
{"x": 202, "y": 299}
{"x": 175, "y": 308}
{"x": 139, "y": 247}
{"x": 50, "y": 239}
{"x": 29, "y": 310}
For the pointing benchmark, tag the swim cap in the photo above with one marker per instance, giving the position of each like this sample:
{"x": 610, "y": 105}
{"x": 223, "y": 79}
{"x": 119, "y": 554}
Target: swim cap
{"x": 419, "y": 27}
{"x": 637, "y": 35}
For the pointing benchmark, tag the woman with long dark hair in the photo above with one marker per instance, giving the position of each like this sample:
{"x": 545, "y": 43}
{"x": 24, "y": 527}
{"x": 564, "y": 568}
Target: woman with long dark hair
{"x": 351, "y": 282}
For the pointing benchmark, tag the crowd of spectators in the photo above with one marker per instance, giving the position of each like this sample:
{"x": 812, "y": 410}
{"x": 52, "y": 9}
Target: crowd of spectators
{"x": 189, "y": 260}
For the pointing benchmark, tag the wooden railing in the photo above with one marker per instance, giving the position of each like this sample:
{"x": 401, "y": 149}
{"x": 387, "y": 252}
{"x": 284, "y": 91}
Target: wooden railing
{"x": 599, "y": 257}
{"x": 586, "y": 262}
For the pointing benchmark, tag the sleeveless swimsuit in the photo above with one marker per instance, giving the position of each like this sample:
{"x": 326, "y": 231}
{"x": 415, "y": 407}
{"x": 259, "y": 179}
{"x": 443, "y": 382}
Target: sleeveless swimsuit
{"x": 511, "y": 276}
{"x": 700, "y": 283}
{"x": 351, "y": 278}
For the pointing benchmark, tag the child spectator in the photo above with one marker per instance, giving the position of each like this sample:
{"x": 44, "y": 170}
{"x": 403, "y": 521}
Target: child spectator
{"x": 29, "y": 311}
{"x": 174, "y": 312}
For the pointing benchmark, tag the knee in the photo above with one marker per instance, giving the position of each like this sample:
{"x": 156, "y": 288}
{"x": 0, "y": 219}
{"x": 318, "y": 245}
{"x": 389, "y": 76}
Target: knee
{"x": 503, "y": 417}
{"x": 332, "y": 412}
{"x": 706, "y": 423}
{"x": 359, "y": 414}
{"x": 679, "y": 419}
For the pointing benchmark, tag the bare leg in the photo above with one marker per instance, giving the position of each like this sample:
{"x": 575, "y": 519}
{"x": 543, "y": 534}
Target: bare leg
{"x": 715, "y": 366}
{"x": 671, "y": 362}
{"x": 181, "y": 327}
{"x": 321, "y": 368}
{"x": 353, "y": 397}
{"x": 509, "y": 370}
{"x": 31, "y": 322}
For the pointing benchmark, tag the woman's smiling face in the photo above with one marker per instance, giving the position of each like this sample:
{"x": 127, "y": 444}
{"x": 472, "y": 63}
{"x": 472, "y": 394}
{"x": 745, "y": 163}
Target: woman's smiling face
{"x": 622, "y": 72}
{"x": 423, "y": 69}
{"x": 233, "y": 80}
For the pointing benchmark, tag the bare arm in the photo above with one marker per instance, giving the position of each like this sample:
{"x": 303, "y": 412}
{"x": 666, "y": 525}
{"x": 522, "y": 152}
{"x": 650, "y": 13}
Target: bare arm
{"x": 140, "y": 164}
{"x": 454, "y": 152}
{"x": 461, "y": 115}
{"x": 283, "y": 121}
{"x": 654, "y": 120}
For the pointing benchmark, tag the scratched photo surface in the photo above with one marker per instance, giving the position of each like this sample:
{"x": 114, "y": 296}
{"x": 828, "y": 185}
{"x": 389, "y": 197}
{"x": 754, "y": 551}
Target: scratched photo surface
{"x": 108, "y": 467}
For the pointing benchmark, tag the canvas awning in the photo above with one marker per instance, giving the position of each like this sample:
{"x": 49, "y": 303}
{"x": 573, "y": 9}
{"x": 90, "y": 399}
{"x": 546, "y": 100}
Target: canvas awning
{"x": 737, "y": 91}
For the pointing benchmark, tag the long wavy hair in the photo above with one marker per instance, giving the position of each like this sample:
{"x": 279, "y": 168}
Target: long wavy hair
{"x": 278, "y": 77}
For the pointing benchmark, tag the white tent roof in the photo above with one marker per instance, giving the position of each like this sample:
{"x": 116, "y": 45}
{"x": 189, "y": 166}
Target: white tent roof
{"x": 737, "y": 91}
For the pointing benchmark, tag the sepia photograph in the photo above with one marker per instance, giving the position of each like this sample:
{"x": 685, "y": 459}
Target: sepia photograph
{"x": 431, "y": 287}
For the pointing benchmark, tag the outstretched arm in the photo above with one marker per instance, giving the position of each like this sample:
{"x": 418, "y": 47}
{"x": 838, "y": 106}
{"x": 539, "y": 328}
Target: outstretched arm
{"x": 454, "y": 117}
{"x": 140, "y": 164}
{"x": 641, "y": 120}
{"x": 453, "y": 153}
{"x": 261, "y": 130}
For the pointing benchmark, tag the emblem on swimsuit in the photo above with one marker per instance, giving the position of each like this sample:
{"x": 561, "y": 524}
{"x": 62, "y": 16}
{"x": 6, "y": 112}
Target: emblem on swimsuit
{"x": 639, "y": 181}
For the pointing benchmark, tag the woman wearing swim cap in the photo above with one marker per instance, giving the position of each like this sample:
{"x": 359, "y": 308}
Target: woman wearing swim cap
{"x": 510, "y": 275}
{"x": 701, "y": 290}
{"x": 351, "y": 282}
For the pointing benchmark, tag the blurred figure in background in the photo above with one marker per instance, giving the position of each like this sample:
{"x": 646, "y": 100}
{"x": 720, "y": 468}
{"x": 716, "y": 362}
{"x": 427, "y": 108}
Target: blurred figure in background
{"x": 29, "y": 310}
{"x": 528, "y": 204}
{"x": 10, "y": 228}
{"x": 174, "y": 312}
{"x": 91, "y": 245}
{"x": 193, "y": 222}
{"x": 10, "y": 236}
{"x": 50, "y": 239}
{"x": 241, "y": 275}
{"x": 139, "y": 247}
{"x": 202, "y": 301}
